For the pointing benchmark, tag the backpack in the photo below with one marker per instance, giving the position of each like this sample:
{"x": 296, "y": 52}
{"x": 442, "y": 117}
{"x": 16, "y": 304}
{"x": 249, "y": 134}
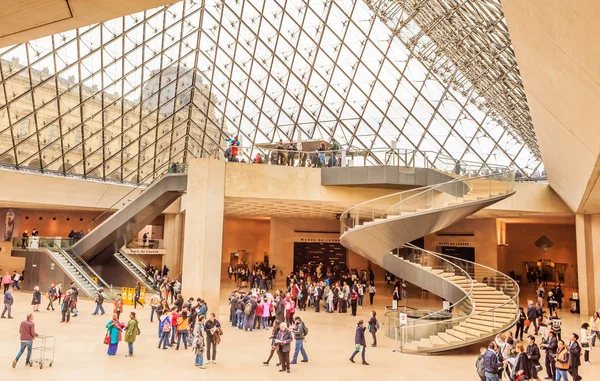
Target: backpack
{"x": 479, "y": 366}
{"x": 248, "y": 308}
{"x": 227, "y": 153}
{"x": 304, "y": 329}
{"x": 167, "y": 326}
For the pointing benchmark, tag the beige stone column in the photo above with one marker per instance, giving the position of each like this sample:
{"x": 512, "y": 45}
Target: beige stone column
{"x": 204, "y": 231}
{"x": 173, "y": 238}
{"x": 588, "y": 261}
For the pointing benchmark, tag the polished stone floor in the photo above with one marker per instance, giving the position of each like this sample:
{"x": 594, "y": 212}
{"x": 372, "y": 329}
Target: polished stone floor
{"x": 81, "y": 355}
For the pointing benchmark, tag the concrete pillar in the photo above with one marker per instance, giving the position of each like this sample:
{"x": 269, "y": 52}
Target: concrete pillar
{"x": 204, "y": 231}
{"x": 588, "y": 261}
{"x": 173, "y": 237}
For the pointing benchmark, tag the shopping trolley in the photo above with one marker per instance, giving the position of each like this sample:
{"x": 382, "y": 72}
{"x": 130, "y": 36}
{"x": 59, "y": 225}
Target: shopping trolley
{"x": 43, "y": 351}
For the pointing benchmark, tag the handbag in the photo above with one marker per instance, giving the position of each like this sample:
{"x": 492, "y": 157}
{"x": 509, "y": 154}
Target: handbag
{"x": 538, "y": 368}
{"x": 107, "y": 338}
{"x": 358, "y": 347}
{"x": 585, "y": 345}
{"x": 527, "y": 323}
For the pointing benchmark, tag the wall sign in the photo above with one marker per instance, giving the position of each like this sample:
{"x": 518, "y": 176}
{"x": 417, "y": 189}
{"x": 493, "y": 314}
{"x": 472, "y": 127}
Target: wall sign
{"x": 146, "y": 251}
{"x": 335, "y": 240}
{"x": 451, "y": 243}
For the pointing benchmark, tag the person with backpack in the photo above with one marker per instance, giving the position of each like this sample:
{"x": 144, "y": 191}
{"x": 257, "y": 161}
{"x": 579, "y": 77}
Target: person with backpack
{"x": 249, "y": 313}
{"x": 131, "y": 332}
{"x": 65, "y": 307}
{"x": 165, "y": 326}
{"x": 373, "y": 327}
{"x": 479, "y": 364}
{"x": 300, "y": 331}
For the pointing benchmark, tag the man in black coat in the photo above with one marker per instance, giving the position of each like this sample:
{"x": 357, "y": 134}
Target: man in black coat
{"x": 574, "y": 357}
{"x": 534, "y": 356}
{"x": 550, "y": 347}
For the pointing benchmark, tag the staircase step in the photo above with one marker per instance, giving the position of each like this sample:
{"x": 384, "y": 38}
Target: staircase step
{"x": 470, "y": 331}
{"x": 413, "y": 346}
{"x": 437, "y": 341}
{"x": 425, "y": 343}
{"x": 463, "y": 336}
{"x": 449, "y": 338}
{"x": 489, "y": 322}
{"x": 477, "y": 327}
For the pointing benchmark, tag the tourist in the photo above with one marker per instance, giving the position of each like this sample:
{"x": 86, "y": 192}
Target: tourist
{"x": 520, "y": 324}
{"x": 174, "y": 319}
{"x": 154, "y": 303}
{"x": 113, "y": 335}
{"x": 273, "y": 337}
{"x": 395, "y": 298}
{"x": 360, "y": 290}
{"x": 36, "y": 299}
{"x": 65, "y": 307}
{"x": 182, "y": 330}
{"x": 74, "y": 297}
{"x": 562, "y": 362}
{"x": 403, "y": 291}
{"x": 144, "y": 240}
{"x": 595, "y": 327}
{"x": 198, "y": 342}
{"x": 531, "y": 317}
{"x": 164, "y": 327}
{"x": 479, "y": 366}
{"x": 213, "y": 337}
{"x": 359, "y": 342}
{"x": 99, "y": 300}
{"x": 521, "y": 368}
{"x": 118, "y": 306}
{"x": 373, "y": 327}
{"x": 8, "y": 302}
{"x": 27, "y": 333}
{"x": 24, "y": 239}
{"x": 574, "y": 357}
{"x": 353, "y": 301}
{"x": 372, "y": 292}
{"x": 267, "y": 310}
{"x": 51, "y": 296}
{"x": 290, "y": 309}
{"x": 552, "y": 303}
{"x": 585, "y": 342}
{"x": 330, "y": 297}
{"x": 534, "y": 356}
{"x": 492, "y": 366}
{"x": 556, "y": 324}
{"x": 540, "y": 294}
{"x": 550, "y": 347}
{"x": 137, "y": 294}
{"x": 6, "y": 281}
{"x": 131, "y": 332}
{"x": 59, "y": 293}
{"x": 283, "y": 341}
{"x": 15, "y": 280}
{"x": 300, "y": 331}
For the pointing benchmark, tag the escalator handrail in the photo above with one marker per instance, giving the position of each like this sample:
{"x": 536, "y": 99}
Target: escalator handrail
{"x": 87, "y": 266}
{"x": 133, "y": 263}
{"x": 75, "y": 265}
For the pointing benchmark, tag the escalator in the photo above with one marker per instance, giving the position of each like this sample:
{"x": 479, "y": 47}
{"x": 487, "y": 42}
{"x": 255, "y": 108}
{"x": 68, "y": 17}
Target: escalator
{"x": 79, "y": 274}
{"x": 134, "y": 268}
{"x": 100, "y": 245}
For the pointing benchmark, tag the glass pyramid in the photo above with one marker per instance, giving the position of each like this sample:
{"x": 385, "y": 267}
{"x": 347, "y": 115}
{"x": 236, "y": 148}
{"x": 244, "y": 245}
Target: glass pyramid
{"x": 121, "y": 100}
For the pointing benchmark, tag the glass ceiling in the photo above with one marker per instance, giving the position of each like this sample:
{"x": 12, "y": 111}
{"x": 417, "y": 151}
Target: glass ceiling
{"x": 122, "y": 99}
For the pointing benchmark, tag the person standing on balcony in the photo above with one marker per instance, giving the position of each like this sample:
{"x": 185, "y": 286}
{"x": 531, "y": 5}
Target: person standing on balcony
{"x": 24, "y": 239}
{"x": 395, "y": 298}
{"x": 291, "y": 148}
{"x": 335, "y": 147}
{"x": 280, "y": 153}
{"x": 144, "y": 239}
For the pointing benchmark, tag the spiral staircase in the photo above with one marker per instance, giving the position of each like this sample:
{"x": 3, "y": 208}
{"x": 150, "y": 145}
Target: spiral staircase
{"x": 484, "y": 302}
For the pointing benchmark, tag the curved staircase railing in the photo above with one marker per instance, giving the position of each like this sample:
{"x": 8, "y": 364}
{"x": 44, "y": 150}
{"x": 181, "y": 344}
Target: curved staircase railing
{"x": 484, "y": 301}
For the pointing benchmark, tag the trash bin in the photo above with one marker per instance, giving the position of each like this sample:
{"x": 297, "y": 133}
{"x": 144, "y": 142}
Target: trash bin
{"x": 575, "y": 303}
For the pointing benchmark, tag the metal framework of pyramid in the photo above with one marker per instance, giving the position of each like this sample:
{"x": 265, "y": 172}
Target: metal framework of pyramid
{"x": 121, "y": 100}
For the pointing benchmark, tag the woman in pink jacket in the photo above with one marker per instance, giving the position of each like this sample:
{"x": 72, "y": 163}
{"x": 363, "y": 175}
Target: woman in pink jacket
{"x": 6, "y": 280}
{"x": 266, "y": 313}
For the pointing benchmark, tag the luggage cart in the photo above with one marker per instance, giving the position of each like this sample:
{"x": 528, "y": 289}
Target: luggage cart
{"x": 44, "y": 352}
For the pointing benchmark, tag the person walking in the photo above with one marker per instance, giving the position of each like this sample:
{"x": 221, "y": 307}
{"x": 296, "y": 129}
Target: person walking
{"x": 300, "y": 331}
{"x": 27, "y": 333}
{"x": 137, "y": 294}
{"x": 36, "y": 299}
{"x": 113, "y": 333}
{"x": 8, "y": 302}
{"x": 283, "y": 341}
{"x": 562, "y": 362}
{"x": 6, "y": 281}
{"x": 372, "y": 292}
{"x": 99, "y": 300}
{"x": 131, "y": 332}
{"x": 373, "y": 327}
{"x": 15, "y": 280}
{"x": 359, "y": 342}
{"x": 118, "y": 306}
{"x": 164, "y": 328}
{"x": 213, "y": 337}
{"x": 532, "y": 318}
{"x": 51, "y": 296}
{"x": 273, "y": 337}
{"x": 534, "y": 356}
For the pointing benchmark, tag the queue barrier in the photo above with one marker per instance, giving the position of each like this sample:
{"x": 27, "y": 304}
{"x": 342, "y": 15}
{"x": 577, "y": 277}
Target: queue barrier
{"x": 128, "y": 293}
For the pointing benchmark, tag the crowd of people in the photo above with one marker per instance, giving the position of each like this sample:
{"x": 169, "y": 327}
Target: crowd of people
{"x": 520, "y": 360}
